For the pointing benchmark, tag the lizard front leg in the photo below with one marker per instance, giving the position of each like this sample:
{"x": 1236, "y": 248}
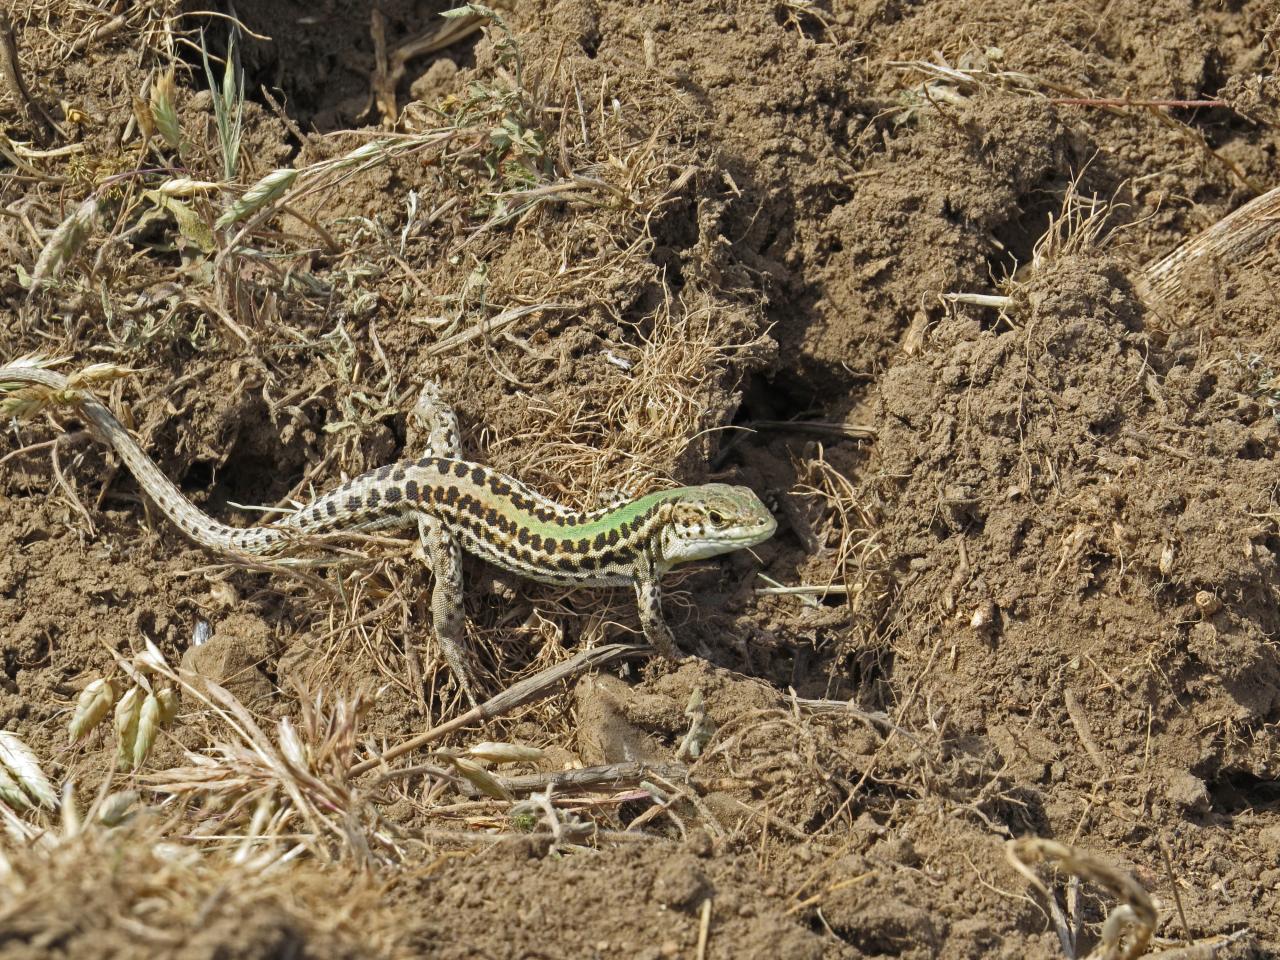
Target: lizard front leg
{"x": 649, "y": 602}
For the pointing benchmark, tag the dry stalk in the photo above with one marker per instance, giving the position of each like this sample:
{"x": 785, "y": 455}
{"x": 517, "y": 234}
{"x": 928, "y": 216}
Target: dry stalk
{"x": 11, "y": 74}
{"x": 297, "y": 783}
{"x": 848, "y": 553}
{"x": 1232, "y": 241}
{"x": 541, "y": 685}
{"x": 1133, "y": 920}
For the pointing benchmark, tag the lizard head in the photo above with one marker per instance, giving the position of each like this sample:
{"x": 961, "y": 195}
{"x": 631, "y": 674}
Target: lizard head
{"x": 712, "y": 519}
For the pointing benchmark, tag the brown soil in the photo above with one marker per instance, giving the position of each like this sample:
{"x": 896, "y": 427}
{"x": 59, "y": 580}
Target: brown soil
{"x": 1056, "y": 540}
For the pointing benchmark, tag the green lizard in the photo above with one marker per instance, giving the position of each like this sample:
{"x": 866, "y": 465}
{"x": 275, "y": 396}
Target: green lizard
{"x": 456, "y": 505}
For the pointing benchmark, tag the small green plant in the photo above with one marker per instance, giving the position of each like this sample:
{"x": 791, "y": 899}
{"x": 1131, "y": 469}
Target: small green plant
{"x": 228, "y": 105}
{"x": 516, "y": 157}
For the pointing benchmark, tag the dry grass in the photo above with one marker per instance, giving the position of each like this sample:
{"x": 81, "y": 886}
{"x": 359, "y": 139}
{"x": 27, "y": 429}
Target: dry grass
{"x": 102, "y": 889}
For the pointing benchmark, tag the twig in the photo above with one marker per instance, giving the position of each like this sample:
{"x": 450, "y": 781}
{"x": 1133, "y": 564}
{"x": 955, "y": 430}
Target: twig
{"x": 817, "y": 898}
{"x": 704, "y": 929}
{"x": 873, "y": 719}
{"x": 66, "y": 439}
{"x": 855, "y": 431}
{"x": 1080, "y": 720}
{"x": 805, "y": 590}
{"x": 979, "y": 299}
{"x": 1177, "y": 897}
{"x": 1126, "y": 102}
{"x": 1203, "y": 949}
{"x": 101, "y": 32}
{"x": 71, "y": 494}
{"x": 611, "y": 775}
{"x": 525, "y": 691}
{"x": 492, "y": 325}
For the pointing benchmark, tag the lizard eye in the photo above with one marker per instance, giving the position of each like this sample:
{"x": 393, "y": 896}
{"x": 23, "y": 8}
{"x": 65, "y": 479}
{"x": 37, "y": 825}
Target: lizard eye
{"x": 716, "y": 517}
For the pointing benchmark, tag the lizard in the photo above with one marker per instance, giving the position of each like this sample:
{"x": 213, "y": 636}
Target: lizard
{"x": 456, "y": 505}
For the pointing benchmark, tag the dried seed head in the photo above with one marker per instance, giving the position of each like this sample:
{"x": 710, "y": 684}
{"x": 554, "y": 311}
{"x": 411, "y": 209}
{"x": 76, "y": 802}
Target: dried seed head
{"x": 64, "y": 244}
{"x": 150, "y": 660}
{"x": 128, "y": 710}
{"x": 370, "y": 150}
{"x": 258, "y": 196}
{"x": 142, "y": 113}
{"x": 149, "y": 720}
{"x": 504, "y": 752}
{"x": 169, "y": 703}
{"x": 11, "y": 793}
{"x": 291, "y": 744}
{"x": 24, "y": 766}
{"x": 115, "y": 808}
{"x": 164, "y": 110}
{"x": 26, "y": 402}
{"x": 480, "y": 778}
{"x": 92, "y": 707}
{"x": 184, "y": 187}
{"x": 39, "y": 362}
{"x": 98, "y": 373}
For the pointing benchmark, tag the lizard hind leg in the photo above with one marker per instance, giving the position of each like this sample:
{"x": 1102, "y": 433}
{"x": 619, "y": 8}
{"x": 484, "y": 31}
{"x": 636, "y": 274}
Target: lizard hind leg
{"x": 436, "y": 424}
{"x": 436, "y": 435}
{"x": 448, "y": 619}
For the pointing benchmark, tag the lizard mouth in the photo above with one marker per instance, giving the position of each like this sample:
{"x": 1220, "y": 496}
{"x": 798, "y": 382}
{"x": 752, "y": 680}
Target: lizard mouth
{"x": 749, "y": 535}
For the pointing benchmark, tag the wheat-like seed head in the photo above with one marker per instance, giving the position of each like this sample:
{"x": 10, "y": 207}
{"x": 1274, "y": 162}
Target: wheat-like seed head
{"x": 258, "y": 196}
{"x": 25, "y": 767}
{"x": 163, "y": 109}
{"x": 92, "y": 708}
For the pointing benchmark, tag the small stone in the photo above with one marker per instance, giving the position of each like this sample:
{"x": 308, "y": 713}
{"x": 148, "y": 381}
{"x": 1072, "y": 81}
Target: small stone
{"x": 1269, "y": 839}
{"x": 1187, "y": 793}
{"x": 680, "y": 883}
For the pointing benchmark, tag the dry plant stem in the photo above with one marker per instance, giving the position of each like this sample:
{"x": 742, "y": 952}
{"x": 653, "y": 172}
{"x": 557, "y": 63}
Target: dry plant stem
{"x": 704, "y": 929}
{"x": 100, "y": 32}
{"x": 493, "y": 325}
{"x": 11, "y": 71}
{"x": 1080, "y": 720}
{"x": 1173, "y": 885}
{"x": 1125, "y": 102}
{"x": 610, "y": 776}
{"x": 63, "y": 439}
{"x": 525, "y": 691}
{"x": 804, "y": 590}
{"x": 854, "y": 431}
{"x": 1204, "y": 949}
{"x": 1230, "y": 240}
{"x": 1136, "y": 907}
{"x": 390, "y": 70}
{"x": 1197, "y": 138}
